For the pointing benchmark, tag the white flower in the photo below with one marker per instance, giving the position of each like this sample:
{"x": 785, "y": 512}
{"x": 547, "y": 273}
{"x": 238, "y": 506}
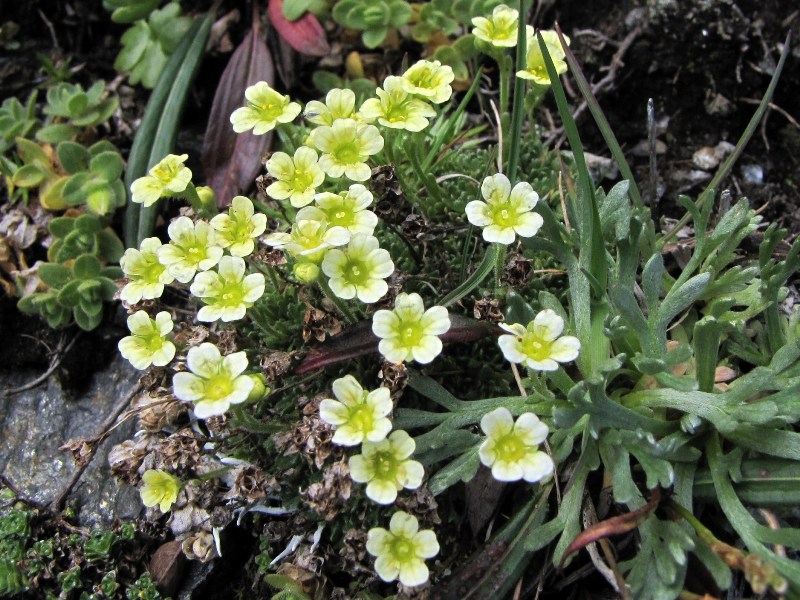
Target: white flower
{"x": 192, "y": 248}
{"x": 538, "y": 346}
{"x": 339, "y": 104}
{"x": 346, "y": 146}
{"x": 345, "y": 209}
{"x": 148, "y": 344}
{"x": 358, "y": 415}
{"x": 265, "y": 109}
{"x": 359, "y": 269}
{"x": 386, "y": 467}
{"x": 309, "y": 239}
{"x": 215, "y": 381}
{"x": 409, "y": 332}
{"x": 511, "y": 449}
{"x": 297, "y": 178}
{"x": 506, "y": 212}
{"x": 431, "y": 80}
{"x": 228, "y": 293}
{"x": 168, "y": 178}
{"x": 401, "y": 551}
{"x": 238, "y": 229}
{"x": 396, "y": 108}
{"x": 147, "y": 277}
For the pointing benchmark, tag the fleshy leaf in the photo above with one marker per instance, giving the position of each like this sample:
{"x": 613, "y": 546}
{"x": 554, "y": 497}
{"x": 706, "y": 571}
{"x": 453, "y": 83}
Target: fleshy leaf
{"x": 305, "y": 35}
{"x": 231, "y": 161}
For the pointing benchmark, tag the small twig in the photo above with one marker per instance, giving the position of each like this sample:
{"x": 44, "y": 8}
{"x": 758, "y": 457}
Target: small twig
{"x": 50, "y": 28}
{"x": 610, "y": 574}
{"x": 58, "y": 501}
{"x": 499, "y": 136}
{"x": 55, "y": 362}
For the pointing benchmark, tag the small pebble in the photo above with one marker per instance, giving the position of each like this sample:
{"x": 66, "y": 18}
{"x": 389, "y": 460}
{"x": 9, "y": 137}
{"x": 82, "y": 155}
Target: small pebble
{"x": 705, "y": 158}
{"x": 753, "y": 174}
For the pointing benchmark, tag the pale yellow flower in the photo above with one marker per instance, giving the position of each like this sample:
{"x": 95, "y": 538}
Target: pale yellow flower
{"x": 506, "y": 213}
{"x": 535, "y": 69}
{"x": 431, "y": 80}
{"x": 297, "y": 177}
{"x": 395, "y": 107}
{"x": 192, "y": 248}
{"x": 146, "y": 276}
{"x": 227, "y": 293}
{"x": 148, "y": 344}
{"x": 346, "y": 146}
{"x": 357, "y": 415}
{"x": 345, "y": 209}
{"x": 238, "y": 229}
{"x": 409, "y": 332}
{"x": 309, "y": 240}
{"x": 511, "y": 448}
{"x": 359, "y": 270}
{"x": 214, "y": 381}
{"x": 339, "y": 104}
{"x": 265, "y": 109}
{"x": 168, "y": 178}
{"x": 401, "y": 552}
{"x": 386, "y": 467}
{"x": 538, "y": 346}
{"x": 500, "y": 29}
{"x": 160, "y": 488}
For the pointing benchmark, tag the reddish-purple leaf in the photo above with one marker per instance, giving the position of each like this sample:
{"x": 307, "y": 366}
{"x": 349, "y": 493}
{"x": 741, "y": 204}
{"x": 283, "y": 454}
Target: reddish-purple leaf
{"x": 613, "y": 526}
{"x": 305, "y": 35}
{"x": 358, "y": 340}
{"x": 231, "y": 161}
{"x": 167, "y": 566}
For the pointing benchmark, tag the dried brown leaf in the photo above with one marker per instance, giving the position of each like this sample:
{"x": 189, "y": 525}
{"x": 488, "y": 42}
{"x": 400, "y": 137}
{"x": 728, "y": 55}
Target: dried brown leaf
{"x": 231, "y": 161}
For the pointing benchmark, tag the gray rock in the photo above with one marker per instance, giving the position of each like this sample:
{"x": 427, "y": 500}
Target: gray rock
{"x": 36, "y": 422}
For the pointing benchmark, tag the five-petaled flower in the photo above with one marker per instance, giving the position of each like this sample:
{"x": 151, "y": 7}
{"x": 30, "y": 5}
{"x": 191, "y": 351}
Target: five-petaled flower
{"x": 401, "y": 552}
{"x": 297, "y": 178}
{"x": 146, "y": 276}
{"x": 159, "y": 488}
{"x": 238, "y": 229}
{"x": 309, "y": 239}
{"x": 357, "y": 415}
{"x": 431, "y": 80}
{"x": 386, "y": 467}
{"x": 506, "y": 212}
{"x": 346, "y": 146}
{"x": 535, "y": 69}
{"x": 395, "y": 107}
{"x": 359, "y": 270}
{"x": 168, "y": 178}
{"x": 192, "y": 248}
{"x": 500, "y": 29}
{"x": 409, "y": 332}
{"x": 339, "y": 104}
{"x": 538, "y": 346}
{"x": 264, "y": 110}
{"x": 148, "y": 344}
{"x": 345, "y": 209}
{"x": 214, "y": 381}
{"x": 511, "y": 449}
{"x": 228, "y": 292}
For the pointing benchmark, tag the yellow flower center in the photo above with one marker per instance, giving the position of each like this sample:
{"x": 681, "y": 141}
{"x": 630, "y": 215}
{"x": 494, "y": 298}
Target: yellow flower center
{"x": 302, "y": 180}
{"x": 510, "y": 447}
{"x": 356, "y": 272}
{"x": 166, "y": 171}
{"x": 218, "y": 387}
{"x": 385, "y": 465}
{"x": 410, "y": 334}
{"x": 361, "y": 418}
{"x": 231, "y": 294}
{"x": 347, "y": 152}
{"x": 151, "y": 270}
{"x": 402, "y": 549}
{"x": 503, "y": 215}
{"x": 536, "y": 348}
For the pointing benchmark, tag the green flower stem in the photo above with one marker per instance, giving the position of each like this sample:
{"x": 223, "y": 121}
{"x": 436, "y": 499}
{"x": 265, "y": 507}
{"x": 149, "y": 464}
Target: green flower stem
{"x": 268, "y": 271}
{"x": 518, "y": 108}
{"x": 326, "y": 289}
{"x": 505, "y": 63}
{"x": 499, "y": 264}
{"x": 205, "y": 210}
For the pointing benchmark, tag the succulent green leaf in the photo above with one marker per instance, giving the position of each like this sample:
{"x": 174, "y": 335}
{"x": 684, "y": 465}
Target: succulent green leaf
{"x": 54, "y": 275}
{"x": 400, "y": 13}
{"x": 295, "y": 9}
{"x": 60, "y": 227}
{"x": 110, "y": 247}
{"x": 58, "y": 132}
{"x": 28, "y": 176}
{"x": 73, "y": 157}
{"x": 69, "y": 296}
{"x": 86, "y": 266}
{"x": 107, "y": 165}
{"x": 85, "y": 321}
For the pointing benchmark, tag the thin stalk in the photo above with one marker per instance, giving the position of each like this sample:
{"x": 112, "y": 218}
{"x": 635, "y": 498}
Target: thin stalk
{"x": 505, "y": 64}
{"x": 518, "y": 108}
{"x": 326, "y": 289}
{"x": 499, "y": 263}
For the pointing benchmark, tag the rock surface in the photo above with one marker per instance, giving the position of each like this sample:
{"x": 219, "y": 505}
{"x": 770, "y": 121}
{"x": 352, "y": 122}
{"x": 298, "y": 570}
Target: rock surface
{"x": 36, "y": 422}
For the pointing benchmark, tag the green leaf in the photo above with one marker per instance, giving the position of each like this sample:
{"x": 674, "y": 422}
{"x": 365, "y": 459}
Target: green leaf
{"x": 462, "y": 468}
{"x": 68, "y": 296}
{"x": 28, "y": 176}
{"x": 474, "y": 280}
{"x": 61, "y": 226}
{"x": 86, "y": 321}
{"x": 54, "y": 275}
{"x": 294, "y": 9}
{"x": 107, "y": 165}
{"x": 73, "y": 157}
{"x": 680, "y": 299}
{"x": 86, "y": 266}
{"x": 400, "y": 13}
{"x": 373, "y": 38}
{"x": 58, "y": 132}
